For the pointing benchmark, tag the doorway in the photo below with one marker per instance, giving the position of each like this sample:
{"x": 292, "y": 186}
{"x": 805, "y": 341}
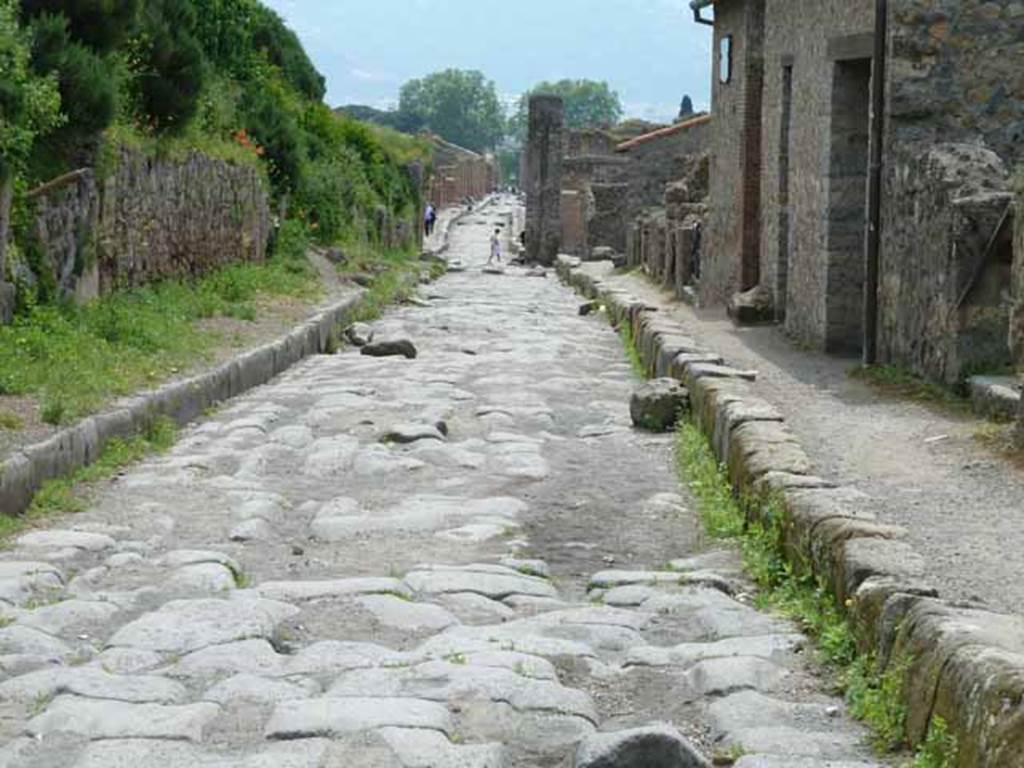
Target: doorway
{"x": 849, "y": 137}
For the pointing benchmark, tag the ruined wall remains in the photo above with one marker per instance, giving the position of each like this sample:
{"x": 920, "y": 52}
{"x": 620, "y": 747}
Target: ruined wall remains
{"x": 150, "y": 219}
{"x": 955, "y": 78}
{"x": 1017, "y": 307}
{"x": 816, "y": 77}
{"x": 545, "y": 151}
{"x": 734, "y": 229}
{"x": 661, "y": 157}
{"x": 459, "y": 173}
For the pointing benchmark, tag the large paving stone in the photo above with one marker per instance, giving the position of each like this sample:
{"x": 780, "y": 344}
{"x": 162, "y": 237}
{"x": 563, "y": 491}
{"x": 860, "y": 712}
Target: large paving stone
{"x": 337, "y": 717}
{"x": 429, "y": 749}
{"x": 92, "y": 683}
{"x": 187, "y": 625}
{"x": 118, "y": 720}
{"x": 332, "y": 657}
{"x": 657, "y": 746}
{"x": 58, "y": 539}
{"x": 481, "y": 581}
{"x": 777, "y": 648}
{"x": 256, "y": 657}
{"x": 297, "y": 591}
{"x": 19, "y": 579}
{"x": 717, "y": 677}
{"x": 444, "y": 681}
{"x": 150, "y": 753}
{"x": 246, "y": 687}
{"x": 403, "y": 614}
{"x": 71, "y": 617}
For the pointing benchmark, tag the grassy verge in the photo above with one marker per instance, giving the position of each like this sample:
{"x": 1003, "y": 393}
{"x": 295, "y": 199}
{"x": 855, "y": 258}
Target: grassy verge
{"x": 898, "y": 382}
{"x": 70, "y": 494}
{"x": 629, "y": 344}
{"x": 74, "y": 359}
{"x": 874, "y": 695}
{"x": 395, "y": 275}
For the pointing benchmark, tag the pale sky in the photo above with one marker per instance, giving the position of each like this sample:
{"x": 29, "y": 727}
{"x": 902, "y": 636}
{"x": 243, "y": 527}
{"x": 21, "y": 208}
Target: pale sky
{"x": 650, "y": 51}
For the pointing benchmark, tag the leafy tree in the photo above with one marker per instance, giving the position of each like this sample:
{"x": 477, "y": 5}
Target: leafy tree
{"x": 169, "y": 77}
{"x": 102, "y": 25}
{"x": 588, "y": 103}
{"x": 459, "y": 105}
{"x": 29, "y": 107}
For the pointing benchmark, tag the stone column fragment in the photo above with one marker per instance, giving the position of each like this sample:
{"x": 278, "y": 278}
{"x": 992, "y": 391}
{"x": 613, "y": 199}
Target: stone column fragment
{"x": 545, "y": 149}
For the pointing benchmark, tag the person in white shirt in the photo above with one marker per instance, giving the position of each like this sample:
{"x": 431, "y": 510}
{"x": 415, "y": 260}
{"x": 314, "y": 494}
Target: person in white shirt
{"x": 495, "y": 247}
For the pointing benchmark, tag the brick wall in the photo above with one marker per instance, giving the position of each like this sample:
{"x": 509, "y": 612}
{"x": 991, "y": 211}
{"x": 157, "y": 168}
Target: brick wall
{"x": 735, "y": 164}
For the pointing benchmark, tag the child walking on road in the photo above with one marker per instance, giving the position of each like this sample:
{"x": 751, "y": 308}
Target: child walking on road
{"x": 495, "y": 247}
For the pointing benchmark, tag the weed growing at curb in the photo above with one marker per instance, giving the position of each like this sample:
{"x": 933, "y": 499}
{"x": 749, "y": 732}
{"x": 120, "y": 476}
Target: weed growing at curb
{"x": 69, "y": 494}
{"x": 874, "y": 696}
{"x": 629, "y": 344}
{"x": 9, "y": 420}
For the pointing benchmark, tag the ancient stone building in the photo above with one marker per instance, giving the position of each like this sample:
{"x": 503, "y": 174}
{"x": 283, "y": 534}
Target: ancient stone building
{"x": 792, "y": 99}
{"x": 460, "y": 173}
{"x": 545, "y": 149}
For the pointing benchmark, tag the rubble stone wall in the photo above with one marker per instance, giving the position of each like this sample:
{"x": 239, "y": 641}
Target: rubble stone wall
{"x": 150, "y": 219}
{"x": 954, "y": 80}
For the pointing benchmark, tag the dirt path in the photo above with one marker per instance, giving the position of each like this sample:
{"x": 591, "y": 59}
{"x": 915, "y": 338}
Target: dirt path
{"x": 923, "y": 467}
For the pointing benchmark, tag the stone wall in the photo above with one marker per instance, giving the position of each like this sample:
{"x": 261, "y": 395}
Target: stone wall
{"x": 545, "y": 151}
{"x": 150, "y": 219}
{"x": 460, "y": 173}
{"x": 955, "y": 79}
{"x": 734, "y": 229}
{"x": 808, "y": 53}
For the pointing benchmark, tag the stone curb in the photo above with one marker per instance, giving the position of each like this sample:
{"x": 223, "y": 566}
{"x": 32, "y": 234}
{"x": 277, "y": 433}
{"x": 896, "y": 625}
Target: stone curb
{"x": 24, "y": 472}
{"x": 964, "y": 665}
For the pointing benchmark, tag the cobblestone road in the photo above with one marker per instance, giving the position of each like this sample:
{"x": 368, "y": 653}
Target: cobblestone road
{"x": 461, "y": 560}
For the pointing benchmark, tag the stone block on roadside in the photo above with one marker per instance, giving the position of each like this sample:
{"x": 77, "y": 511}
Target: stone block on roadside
{"x": 359, "y": 334}
{"x": 656, "y": 746}
{"x": 656, "y": 405}
{"x": 394, "y": 348}
{"x": 752, "y": 307}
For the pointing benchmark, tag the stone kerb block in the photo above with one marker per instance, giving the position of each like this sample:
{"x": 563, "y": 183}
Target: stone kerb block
{"x": 966, "y": 666}
{"x": 757, "y": 448}
{"x": 706, "y": 395}
{"x": 878, "y": 610}
{"x": 734, "y": 411}
{"x": 805, "y": 509}
{"x": 694, "y": 371}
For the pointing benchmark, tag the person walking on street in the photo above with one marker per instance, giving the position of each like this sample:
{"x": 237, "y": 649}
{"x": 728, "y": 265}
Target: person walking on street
{"x": 495, "y": 247}
{"x": 429, "y": 219}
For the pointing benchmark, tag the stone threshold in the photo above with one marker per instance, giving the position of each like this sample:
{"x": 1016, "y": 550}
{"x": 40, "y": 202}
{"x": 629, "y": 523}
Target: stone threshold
{"x": 964, "y": 664}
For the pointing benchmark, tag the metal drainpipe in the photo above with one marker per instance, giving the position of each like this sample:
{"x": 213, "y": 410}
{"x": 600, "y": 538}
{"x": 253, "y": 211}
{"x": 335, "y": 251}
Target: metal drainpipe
{"x": 697, "y": 6}
{"x": 874, "y": 226}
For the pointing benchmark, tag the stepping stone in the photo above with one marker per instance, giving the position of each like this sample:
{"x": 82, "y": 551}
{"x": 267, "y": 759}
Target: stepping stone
{"x": 118, "y": 720}
{"x": 332, "y": 718}
{"x": 657, "y": 404}
{"x": 657, "y": 746}
{"x": 394, "y": 348}
{"x": 182, "y": 626}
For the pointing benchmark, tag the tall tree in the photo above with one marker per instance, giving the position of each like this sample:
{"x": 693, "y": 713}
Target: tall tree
{"x": 29, "y": 106}
{"x": 461, "y": 106}
{"x": 588, "y": 104}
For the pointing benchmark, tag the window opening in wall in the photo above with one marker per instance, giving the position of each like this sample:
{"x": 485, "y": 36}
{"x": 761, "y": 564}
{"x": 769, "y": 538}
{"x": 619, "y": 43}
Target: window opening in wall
{"x": 725, "y": 59}
{"x": 785, "y": 209}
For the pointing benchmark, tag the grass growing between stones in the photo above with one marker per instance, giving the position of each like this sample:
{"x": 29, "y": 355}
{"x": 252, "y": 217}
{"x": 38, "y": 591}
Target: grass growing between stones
{"x": 629, "y": 344}
{"x": 874, "y": 695}
{"x": 394, "y": 274}
{"x": 69, "y": 494}
{"x": 74, "y": 359}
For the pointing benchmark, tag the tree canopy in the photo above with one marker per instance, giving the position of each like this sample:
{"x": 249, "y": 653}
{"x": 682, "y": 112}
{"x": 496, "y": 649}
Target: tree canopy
{"x": 462, "y": 106}
{"x": 588, "y": 103}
